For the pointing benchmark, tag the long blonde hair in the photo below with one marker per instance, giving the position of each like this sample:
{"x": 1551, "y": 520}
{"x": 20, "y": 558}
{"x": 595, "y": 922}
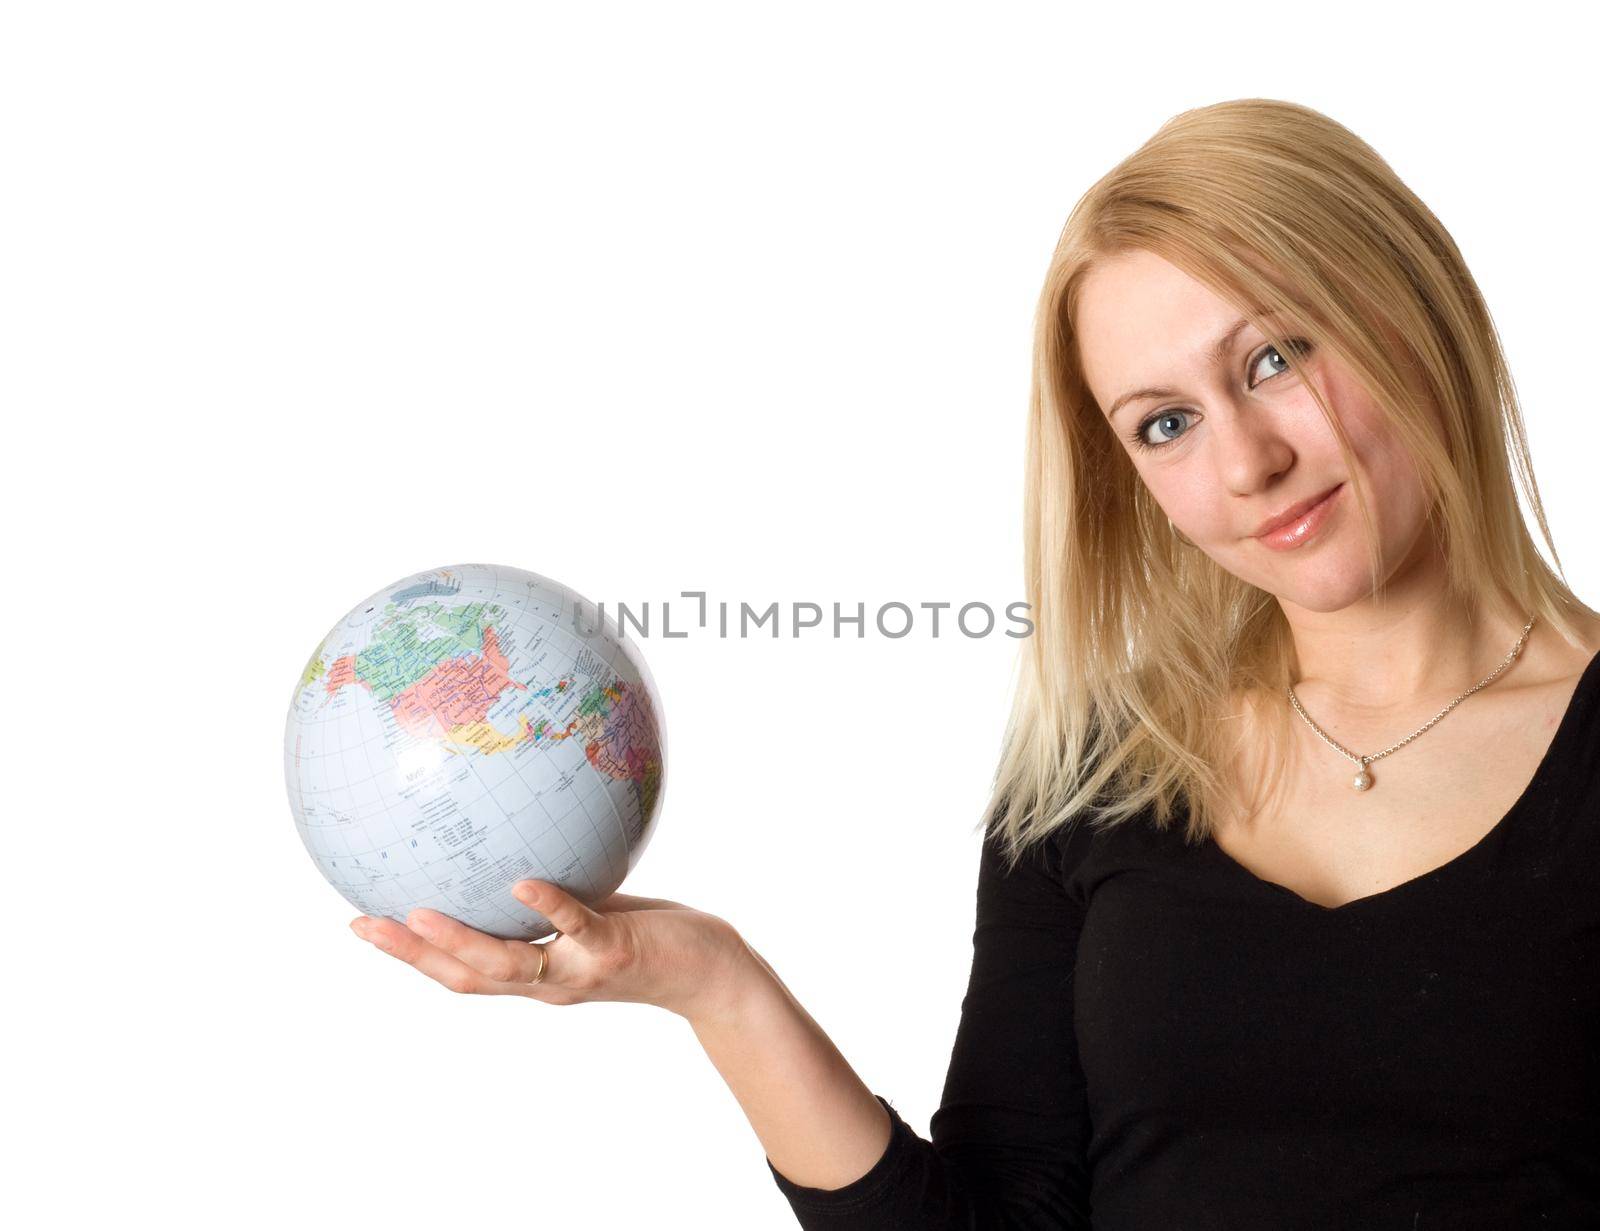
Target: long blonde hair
{"x": 1140, "y": 639}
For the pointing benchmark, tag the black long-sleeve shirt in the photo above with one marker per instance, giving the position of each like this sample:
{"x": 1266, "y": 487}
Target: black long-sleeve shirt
{"x": 1155, "y": 1039}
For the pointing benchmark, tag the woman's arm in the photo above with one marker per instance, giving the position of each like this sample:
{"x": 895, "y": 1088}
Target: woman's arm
{"x": 818, "y": 1122}
{"x": 1010, "y": 1137}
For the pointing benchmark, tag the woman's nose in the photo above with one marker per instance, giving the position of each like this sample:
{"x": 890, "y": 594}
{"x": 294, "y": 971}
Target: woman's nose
{"x": 1249, "y": 448}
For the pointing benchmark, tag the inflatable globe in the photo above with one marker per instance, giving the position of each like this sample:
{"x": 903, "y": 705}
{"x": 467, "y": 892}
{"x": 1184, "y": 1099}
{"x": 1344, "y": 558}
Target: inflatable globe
{"x": 466, "y": 728}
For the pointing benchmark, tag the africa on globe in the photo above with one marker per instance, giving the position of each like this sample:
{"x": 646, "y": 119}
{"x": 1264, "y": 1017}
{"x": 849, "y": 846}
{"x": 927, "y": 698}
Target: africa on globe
{"x": 466, "y": 728}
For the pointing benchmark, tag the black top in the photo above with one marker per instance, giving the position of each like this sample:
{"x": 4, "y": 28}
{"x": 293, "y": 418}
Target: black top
{"x": 1156, "y": 1036}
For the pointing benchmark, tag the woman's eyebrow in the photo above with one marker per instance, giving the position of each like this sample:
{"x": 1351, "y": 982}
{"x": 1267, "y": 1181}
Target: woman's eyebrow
{"x": 1217, "y": 353}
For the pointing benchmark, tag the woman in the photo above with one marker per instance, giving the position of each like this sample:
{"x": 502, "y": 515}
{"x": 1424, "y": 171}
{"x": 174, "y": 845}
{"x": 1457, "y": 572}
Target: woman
{"x": 1234, "y": 966}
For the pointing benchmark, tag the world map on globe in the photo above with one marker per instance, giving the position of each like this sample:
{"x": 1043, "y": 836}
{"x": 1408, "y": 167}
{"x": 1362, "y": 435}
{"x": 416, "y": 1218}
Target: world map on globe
{"x": 466, "y": 728}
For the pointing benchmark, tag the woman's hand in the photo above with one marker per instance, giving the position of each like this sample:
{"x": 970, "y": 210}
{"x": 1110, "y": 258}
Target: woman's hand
{"x": 645, "y": 950}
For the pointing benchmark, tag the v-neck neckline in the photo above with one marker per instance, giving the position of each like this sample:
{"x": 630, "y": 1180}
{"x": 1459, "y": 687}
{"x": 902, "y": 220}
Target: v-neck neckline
{"x": 1565, "y": 733}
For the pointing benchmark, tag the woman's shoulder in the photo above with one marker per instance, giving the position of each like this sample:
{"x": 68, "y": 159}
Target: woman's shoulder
{"x": 1550, "y": 660}
{"x": 1561, "y": 692}
{"x": 1575, "y": 710}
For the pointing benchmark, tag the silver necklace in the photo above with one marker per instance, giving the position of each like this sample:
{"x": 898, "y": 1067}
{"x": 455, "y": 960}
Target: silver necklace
{"x": 1363, "y": 778}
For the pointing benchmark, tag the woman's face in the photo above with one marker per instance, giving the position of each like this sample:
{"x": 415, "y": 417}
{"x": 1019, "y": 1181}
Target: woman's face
{"x": 1234, "y": 438}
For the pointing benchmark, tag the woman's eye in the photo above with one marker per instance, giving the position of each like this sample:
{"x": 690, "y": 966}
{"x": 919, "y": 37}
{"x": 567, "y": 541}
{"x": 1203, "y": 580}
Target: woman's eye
{"x": 1161, "y": 422}
{"x": 1299, "y": 346}
{"x": 1167, "y": 425}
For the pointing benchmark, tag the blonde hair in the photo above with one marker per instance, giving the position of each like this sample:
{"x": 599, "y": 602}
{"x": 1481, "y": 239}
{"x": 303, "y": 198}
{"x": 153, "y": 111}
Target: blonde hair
{"x": 1140, "y": 639}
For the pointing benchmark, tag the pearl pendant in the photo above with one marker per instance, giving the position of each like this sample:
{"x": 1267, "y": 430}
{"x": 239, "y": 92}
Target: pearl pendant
{"x": 1362, "y": 780}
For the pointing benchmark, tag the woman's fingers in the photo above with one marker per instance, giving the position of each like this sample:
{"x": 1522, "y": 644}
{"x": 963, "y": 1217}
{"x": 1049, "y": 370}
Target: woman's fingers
{"x": 681, "y": 959}
{"x": 628, "y": 901}
{"x": 569, "y": 916}
{"x": 432, "y": 961}
{"x": 464, "y": 959}
{"x": 504, "y": 961}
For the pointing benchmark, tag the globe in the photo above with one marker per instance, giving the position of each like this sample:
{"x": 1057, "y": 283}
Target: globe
{"x": 466, "y": 728}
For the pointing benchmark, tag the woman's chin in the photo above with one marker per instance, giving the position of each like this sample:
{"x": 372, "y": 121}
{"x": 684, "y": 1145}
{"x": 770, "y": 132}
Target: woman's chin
{"x": 1322, "y": 585}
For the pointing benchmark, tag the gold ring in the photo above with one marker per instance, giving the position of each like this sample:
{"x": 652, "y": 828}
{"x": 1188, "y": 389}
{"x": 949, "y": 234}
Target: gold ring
{"x": 543, "y": 958}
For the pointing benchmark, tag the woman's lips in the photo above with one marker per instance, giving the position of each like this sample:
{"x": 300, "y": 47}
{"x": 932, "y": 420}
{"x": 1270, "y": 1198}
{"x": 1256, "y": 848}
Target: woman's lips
{"x": 1286, "y": 538}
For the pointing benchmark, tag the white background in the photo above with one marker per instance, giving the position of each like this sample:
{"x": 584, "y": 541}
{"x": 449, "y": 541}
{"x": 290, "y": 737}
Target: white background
{"x": 301, "y": 298}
